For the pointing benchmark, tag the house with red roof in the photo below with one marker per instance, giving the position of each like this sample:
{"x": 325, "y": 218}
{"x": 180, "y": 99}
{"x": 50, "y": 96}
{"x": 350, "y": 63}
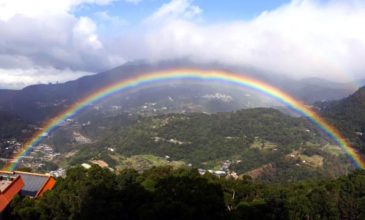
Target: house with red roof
{"x": 24, "y": 184}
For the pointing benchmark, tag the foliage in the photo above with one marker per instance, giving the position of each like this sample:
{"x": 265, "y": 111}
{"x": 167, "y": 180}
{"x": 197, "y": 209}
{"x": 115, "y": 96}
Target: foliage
{"x": 249, "y": 139}
{"x": 11, "y": 126}
{"x": 165, "y": 193}
{"x": 348, "y": 116}
{"x": 198, "y": 137}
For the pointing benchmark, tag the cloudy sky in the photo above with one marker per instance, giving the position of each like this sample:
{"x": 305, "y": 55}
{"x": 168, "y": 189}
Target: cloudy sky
{"x": 48, "y": 41}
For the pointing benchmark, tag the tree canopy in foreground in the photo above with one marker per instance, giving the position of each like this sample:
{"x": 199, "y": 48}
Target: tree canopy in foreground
{"x": 167, "y": 193}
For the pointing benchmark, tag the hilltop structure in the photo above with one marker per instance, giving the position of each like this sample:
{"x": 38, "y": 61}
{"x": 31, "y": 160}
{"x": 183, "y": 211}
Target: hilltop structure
{"x": 24, "y": 184}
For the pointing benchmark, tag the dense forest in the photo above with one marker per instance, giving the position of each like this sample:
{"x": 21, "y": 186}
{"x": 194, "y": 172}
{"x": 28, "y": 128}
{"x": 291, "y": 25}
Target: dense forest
{"x": 11, "y": 126}
{"x": 199, "y": 137}
{"x": 348, "y": 115}
{"x": 166, "y": 193}
{"x": 250, "y": 139}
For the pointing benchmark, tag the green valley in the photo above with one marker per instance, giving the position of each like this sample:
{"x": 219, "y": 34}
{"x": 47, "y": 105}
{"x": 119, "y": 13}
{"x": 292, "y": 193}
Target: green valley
{"x": 261, "y": 142}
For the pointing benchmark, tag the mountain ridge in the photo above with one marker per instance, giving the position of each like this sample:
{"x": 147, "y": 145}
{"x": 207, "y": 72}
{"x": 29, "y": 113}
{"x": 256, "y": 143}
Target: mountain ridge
{"x": 39, "y": 102}
{"x": 348, "y": 116}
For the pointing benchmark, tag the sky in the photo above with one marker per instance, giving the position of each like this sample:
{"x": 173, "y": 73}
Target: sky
{"x": 44, "y": 41}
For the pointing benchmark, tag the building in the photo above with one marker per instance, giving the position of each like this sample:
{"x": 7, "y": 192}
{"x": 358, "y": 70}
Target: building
{"x": 24, "y": 184}
{"x": 10, "y": 185}
{"x": 35, "y": 184}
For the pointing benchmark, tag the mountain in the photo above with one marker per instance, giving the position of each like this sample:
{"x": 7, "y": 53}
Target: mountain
{"x": 349, "y": 116}
{"x": 6, "y": 98}
{"x": 311, "y": 90}
{"x": 196, "y": 133}
{"x": 261, "y": 142}
{"x": 38, "y": 102}
{"x": 361, "y": 82}
{"x": 11, "y": 126}
{"x": 13, "y": 131}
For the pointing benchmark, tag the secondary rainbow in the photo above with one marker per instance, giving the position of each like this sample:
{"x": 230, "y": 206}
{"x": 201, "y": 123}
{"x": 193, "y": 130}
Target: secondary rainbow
{"x": 146, "y": 79}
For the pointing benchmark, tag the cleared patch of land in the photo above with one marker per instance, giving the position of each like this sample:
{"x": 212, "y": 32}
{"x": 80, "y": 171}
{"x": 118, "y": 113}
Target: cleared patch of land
{"x": 143, "y": 162}
{"x": 263, "y": 145}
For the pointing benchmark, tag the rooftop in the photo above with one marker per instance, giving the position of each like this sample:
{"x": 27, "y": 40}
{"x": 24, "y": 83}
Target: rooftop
{"x": 33, "y": 183}
{"x": 10, "y": 185}
{"x": 24, "y": 183}
{"x": 6, "y": 179}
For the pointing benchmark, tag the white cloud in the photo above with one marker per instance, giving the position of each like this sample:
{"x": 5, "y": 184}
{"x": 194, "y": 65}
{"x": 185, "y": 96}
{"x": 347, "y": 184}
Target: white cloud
{"x": 61, "y": 41}
{"x": 302, "y": 38}
{"x": 15, "y": 78}
{"x": 176, "y": 9}
{"x": 45, "y": 35}
{"x": 85, "y": 29}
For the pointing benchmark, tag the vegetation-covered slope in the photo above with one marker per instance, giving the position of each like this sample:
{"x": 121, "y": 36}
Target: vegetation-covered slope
{"x": 164, "y": 193}
{"x": 11, "y": 126}
{"x": 200, "y": 137}
{"x": 349, "y": 116}
{"x": 264, "y": 142}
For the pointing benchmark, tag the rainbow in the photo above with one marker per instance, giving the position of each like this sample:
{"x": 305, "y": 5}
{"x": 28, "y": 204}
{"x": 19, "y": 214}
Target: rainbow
{"x": 146, "y": 79}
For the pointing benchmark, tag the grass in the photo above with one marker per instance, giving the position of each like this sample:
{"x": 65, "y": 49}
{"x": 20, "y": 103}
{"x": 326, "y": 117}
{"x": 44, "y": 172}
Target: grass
{"x": 315, "y": 161}
{"x": 333, "y": 149}
{"x": 143, "y": 162}
{"x": 263, "y": 145}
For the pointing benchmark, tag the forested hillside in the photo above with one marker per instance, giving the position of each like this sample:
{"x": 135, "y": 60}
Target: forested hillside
{"x": 199, "y": 137}
{"x": 264, "y": 143}
{"x": 348, "y": 115}
{"x": 13, "y": 131}
{"x": 165, "y": 193}
{"x": 11, "y": 126}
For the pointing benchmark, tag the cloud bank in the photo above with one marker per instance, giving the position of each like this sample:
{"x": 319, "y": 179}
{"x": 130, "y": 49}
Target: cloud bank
{"x": 42, "y": 41}
{"x": 304, "y": 38}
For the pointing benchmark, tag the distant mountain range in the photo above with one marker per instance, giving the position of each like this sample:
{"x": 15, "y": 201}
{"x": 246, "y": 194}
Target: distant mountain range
{"x": 311, "y": 90}
{"x": 180, "y": 121}
{"x": 38, "y": 102}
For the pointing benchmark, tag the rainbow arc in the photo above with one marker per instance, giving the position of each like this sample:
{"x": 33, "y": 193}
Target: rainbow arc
{"x": 147, "y": 79}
